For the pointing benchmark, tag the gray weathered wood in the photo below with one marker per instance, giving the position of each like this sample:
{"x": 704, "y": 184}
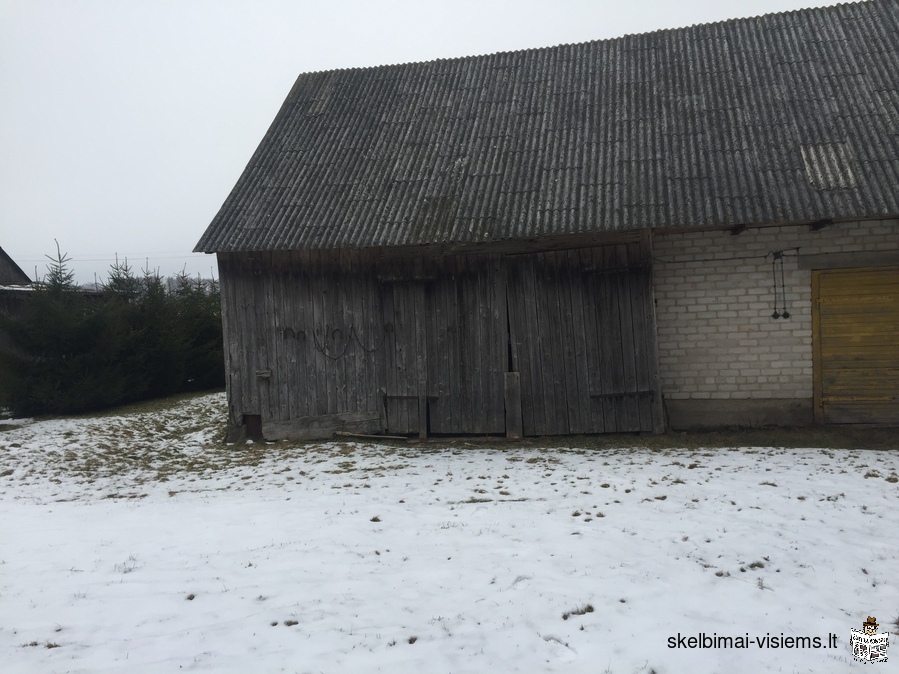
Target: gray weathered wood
{"x": 361, "y": 330}
{"x": 322, "y": 427}
{"x": 512, "y": 391}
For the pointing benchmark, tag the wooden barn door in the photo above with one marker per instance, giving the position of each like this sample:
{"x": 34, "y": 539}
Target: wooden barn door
{"x": 467, "y": 347}
{"x": 406, "y": 357}
{"x": 583, "y": 340}
{"x": 447, "y": 350}
{"x": 855, "y": 327}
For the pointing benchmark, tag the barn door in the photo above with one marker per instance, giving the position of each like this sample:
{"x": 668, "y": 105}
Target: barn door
{"x": 405, "y": 357}
{"x": 583, "y": 340}
{"x": 855, "y": 323}
{"x": 467, "y": 347}
{"x": 447, "y": 349}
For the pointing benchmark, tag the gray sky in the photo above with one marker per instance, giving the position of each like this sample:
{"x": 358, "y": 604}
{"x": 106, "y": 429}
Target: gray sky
{"x": 125, "y": 123}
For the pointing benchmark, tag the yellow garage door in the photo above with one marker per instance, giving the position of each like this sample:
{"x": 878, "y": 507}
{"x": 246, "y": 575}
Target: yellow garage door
{"x": 855, "y": 324}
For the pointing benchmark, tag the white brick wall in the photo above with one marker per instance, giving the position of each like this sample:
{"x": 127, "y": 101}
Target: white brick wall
{"x": 717, "y": 338}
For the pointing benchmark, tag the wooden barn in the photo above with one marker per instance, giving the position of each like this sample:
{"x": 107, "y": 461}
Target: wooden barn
{"x": 681, "y": 228}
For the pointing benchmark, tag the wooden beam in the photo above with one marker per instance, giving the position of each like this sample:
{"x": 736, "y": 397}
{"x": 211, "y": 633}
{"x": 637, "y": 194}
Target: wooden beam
{"x": 321, "y": 427}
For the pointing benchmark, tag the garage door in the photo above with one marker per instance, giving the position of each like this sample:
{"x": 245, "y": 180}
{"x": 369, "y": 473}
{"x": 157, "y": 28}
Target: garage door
{"x": 855, "y": 322}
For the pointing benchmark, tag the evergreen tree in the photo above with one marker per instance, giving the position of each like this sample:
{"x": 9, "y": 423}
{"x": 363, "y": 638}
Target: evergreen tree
{"x": 78, "y": 351}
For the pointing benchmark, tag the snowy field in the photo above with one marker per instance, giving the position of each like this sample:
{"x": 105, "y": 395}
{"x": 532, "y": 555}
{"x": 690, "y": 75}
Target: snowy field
{"x": 140, "y": 543}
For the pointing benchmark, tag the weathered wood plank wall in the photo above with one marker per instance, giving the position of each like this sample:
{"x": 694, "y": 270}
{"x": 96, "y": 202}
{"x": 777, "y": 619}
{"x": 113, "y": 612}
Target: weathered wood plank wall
{"x": 582, "y": 338}
{"x": 425, "y": 344}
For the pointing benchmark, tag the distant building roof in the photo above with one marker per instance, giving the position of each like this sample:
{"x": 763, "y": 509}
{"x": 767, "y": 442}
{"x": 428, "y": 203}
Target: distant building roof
{"x": 790, "y": 117}
{"x": 10, "y": 272}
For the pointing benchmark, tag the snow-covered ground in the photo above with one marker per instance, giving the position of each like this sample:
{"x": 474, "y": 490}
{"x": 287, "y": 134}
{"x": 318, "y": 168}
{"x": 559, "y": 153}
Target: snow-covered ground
{"x": 140, "y": 543}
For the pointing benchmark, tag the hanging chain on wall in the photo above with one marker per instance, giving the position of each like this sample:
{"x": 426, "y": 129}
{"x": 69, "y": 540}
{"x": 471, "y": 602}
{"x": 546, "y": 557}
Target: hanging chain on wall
{"x": 778, "y": 256}
{"x": 387, "y": 328}
{"x": 331, "y": 335}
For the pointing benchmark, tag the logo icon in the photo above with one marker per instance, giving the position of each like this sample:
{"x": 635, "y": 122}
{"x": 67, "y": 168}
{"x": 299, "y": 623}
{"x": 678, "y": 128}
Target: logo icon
{"x": 867, "y": 644}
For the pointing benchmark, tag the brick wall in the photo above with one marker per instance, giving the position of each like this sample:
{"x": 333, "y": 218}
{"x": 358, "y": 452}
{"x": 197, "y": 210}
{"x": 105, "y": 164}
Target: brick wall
{"x": 714, "y": 298}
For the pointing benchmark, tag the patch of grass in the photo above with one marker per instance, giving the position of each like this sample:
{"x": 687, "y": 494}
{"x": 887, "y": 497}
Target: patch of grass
{"x": 583, "y": 610}
{"x": 128, "y": 565}
{"x": 157, "y": 405}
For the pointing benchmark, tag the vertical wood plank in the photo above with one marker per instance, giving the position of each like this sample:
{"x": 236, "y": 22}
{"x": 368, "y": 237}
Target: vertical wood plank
{"x": 626, "y": 318}
{"x": 567, "y": 335}
{"x": 607, "y": 343}
{"x": 453, "y": 345}
{"x": 229, "y": 280}
{"x": 281, "y": 366}
{"x": 512, "y": 405}
{"x": 421, "y": 363}
{"x": 468, "y": 319}
{"x": 317, "y": 334}
{"x": 306, "y": 373}
{"x": 550, "y": 330}
{"x": 534, "y": 421}
{"x": 262, "y": 327}
{"x": 390, "y": 358}
{"x": 422, "y": 417}
{"x": 500, "y": 339}
{"x": 581, "y": 420}
{"x": 594, "y": 313}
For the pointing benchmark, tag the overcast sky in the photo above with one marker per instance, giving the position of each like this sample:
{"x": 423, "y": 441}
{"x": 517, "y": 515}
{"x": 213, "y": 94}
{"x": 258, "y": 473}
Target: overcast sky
{"x": 125, "y": 123}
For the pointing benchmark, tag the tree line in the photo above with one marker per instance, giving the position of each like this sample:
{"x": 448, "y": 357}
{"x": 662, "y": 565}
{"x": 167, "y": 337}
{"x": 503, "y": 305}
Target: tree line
{"x": 134, "y": 339}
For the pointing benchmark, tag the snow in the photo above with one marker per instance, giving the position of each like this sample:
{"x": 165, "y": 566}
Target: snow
{"x": 140, "y": 542}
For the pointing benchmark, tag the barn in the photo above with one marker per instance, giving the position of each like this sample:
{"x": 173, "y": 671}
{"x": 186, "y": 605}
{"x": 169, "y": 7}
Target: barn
{"x": 682, "y": 228}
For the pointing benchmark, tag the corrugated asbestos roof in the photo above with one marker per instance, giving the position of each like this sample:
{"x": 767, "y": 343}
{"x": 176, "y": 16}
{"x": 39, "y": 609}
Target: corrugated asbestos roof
{"x": 788, "y": 117}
